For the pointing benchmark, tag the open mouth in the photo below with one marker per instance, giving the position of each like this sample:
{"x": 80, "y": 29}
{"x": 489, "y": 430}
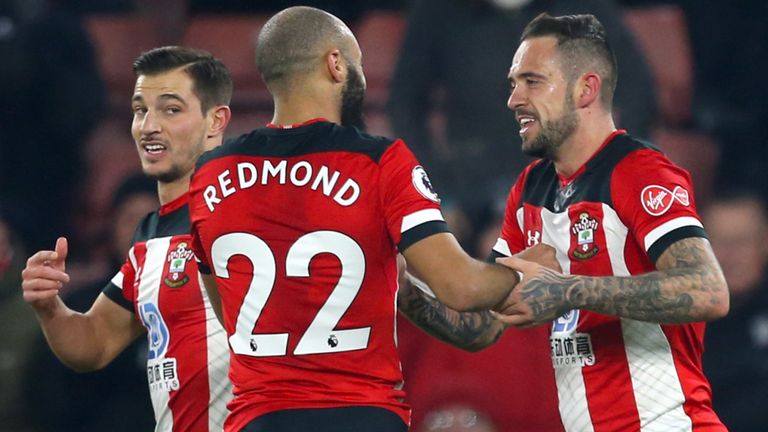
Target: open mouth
{"x": 153, "y": 148}
{"x": 525, "y": 123}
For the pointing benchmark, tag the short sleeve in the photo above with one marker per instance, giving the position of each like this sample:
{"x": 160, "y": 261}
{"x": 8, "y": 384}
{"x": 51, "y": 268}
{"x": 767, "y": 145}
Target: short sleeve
{"x": 197, "y": 213}
{"x": 411, "y": 206}
{"x": 121, "y": 288}
{"x": 654, "y": 197}
{"x": 510, "y": 239}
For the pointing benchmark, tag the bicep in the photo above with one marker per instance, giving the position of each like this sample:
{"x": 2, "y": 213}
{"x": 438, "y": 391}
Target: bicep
{"x": 436, "y": 258}
{"x": 692, "y": 267}
{"x": 689, "y": 252}
{"x": 115, "y": 327}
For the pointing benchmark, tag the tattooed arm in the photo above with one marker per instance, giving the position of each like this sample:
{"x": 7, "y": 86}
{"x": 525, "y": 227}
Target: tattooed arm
{"x": 688, "y": 286}
{"x": 471, "y": 331}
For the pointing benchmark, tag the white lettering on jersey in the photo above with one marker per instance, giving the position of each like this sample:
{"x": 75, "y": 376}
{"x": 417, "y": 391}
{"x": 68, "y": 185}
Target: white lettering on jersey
{"x": 242, "y": 175}
{"x": 224, "y": 182}
{"x": 569, "y": 348}
{"x": 300, "y": 174}
{"x": 657, "y": 200}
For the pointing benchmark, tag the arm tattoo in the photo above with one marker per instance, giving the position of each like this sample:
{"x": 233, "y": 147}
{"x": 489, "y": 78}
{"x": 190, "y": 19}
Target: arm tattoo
{"x": 687, "y": 283}
{"x": 471, "y": 331}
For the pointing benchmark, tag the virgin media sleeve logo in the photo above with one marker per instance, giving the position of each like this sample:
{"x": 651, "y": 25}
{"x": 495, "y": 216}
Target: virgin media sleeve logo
{"x": 657, "y": 200}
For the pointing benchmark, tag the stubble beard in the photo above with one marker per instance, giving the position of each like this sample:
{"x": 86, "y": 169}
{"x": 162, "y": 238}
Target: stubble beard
{"x": 352, "y": 96}
{"x": 553, "y": 133}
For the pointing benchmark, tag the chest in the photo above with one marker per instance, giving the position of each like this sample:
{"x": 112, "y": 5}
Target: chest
{"x": 166, "y": 284}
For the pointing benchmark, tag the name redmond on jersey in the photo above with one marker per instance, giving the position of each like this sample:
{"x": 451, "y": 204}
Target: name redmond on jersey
{"x": 301, "y": 174}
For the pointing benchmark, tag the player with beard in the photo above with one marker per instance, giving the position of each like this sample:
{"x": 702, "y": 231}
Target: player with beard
{"x": 639, "y": 276}
{"x": 180, "y": 109}
{"x": 297, "y": 228}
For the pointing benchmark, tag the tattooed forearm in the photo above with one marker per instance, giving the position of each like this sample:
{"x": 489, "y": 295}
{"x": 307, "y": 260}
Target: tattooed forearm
{"x": 471, "y": 331}
{"x": 688, "y": 286}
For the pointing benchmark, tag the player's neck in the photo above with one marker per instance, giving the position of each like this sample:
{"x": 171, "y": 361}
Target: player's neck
{"x": 168, "y": 192}
{"x": 583, "y": 144}
{"x": 299, "y": 107}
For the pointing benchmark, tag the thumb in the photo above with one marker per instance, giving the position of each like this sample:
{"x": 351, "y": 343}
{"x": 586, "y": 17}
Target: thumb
{"x": 62, "y": 248}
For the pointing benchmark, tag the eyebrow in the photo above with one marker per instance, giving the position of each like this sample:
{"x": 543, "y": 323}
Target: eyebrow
{"x": 163, "y": 97}
{"x": 167, "y": 96}
{"x": 528, "y": 75}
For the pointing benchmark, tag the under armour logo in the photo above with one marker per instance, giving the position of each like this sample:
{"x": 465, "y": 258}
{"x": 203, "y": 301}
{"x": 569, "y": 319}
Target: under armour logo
{"x": 534, "y": 237}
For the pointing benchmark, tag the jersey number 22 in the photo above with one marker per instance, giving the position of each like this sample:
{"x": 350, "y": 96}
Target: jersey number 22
{"x": 321, "y": 335}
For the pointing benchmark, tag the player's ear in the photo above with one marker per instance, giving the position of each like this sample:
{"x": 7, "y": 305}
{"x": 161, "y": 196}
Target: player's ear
{"x": 336, "y": 66}
{"x": 587, "y": 89}
{"x": 220, "y": 116}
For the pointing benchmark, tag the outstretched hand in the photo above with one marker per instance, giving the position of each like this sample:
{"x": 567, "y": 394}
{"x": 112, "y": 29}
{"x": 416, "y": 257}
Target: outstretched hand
{"x": 539, "y": 297}
{"x": 44, "y": 275}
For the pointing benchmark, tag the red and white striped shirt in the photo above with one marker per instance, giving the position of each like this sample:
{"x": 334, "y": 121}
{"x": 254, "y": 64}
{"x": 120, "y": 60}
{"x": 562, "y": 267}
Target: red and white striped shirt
{"x": 616, "y": 216}
{"x": 188, "y": 357}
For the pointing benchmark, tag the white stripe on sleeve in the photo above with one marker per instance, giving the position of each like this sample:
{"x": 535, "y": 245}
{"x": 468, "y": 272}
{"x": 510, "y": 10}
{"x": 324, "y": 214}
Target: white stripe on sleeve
{"x": 420, "y": 217}
{"x": 668, "y": 227}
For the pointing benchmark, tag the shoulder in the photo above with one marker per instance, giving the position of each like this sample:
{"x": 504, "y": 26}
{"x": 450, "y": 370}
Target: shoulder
{"x": 314, "y": 138}
{"x": 354, "y": 140}
{"x": 229, "y": 147}
{"x": 147, "y": 227}
{"x": 641, "y": 159}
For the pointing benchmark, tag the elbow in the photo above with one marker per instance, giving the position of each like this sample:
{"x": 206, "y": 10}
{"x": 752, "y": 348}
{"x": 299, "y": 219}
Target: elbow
{"x": 719, "y": 303}
{"x": 457, "y": 297}
{"x": 84, "y": 364}
{"x": 476, "y": 347}
{"x": 723, "y": 303}
{"x": 83, "y": 367}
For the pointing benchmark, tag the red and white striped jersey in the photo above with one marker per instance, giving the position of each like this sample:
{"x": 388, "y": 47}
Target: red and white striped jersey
{"x": 616, "y": 216}
{"x": 301, "y": 227}
{"x": 188, "y": 357}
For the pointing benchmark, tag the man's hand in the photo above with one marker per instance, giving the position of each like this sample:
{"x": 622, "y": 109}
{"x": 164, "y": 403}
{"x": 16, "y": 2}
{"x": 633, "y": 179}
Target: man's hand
{"x": 539, "y": 297}
{"x": 45, "y": 275}
{"x": 541, "y": 254}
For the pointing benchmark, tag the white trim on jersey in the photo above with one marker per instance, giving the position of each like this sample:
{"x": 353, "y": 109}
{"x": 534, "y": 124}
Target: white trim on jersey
{"x": 555, "y": 231}
{"x": 668, "y": 227}
{"x": 148, "y": 292}
{"x": 220, "y": 388}
{"x": 572, "y": 399}
{"x": 655, "y": 382}
{"x": 419, "y": 217}
{"x": 118, "y": 280}
{"x": 132, "y": 257}
{"x": 571, "y": 390}
{"x": 120, "y": 277}
{"x": 502, "y": 247}
{"x": 616, "y": 240}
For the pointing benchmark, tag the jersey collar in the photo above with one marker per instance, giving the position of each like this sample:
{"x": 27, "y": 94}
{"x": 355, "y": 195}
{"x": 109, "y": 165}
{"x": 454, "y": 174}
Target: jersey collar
{"x": 567, "y": 180}
{"x": 296, "y": 125}
{"x": 174, "y": 205}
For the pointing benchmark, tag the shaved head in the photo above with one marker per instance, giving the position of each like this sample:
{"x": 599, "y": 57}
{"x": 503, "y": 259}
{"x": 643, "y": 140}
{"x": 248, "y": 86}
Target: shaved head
{"x": 294, "y": 41}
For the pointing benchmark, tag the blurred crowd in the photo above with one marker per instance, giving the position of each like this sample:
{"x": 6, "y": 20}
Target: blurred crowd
{"x": 437, "y": 77}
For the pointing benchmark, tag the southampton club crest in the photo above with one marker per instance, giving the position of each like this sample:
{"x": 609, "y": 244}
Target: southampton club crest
{"x": 178, "y": 259}
{"x": 584, "y": 230}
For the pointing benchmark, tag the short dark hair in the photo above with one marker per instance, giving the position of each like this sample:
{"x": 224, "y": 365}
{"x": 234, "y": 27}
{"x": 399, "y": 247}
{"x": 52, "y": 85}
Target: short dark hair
{"x": 292, "y": 41}
{"x": 211, "y": 78}
{"x": 582, "y": 44}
